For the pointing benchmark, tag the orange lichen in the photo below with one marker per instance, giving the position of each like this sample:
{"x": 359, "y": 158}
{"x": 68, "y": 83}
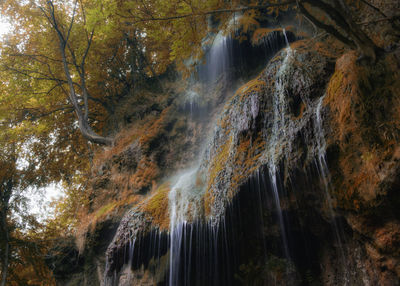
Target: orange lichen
{"x": 151, "y": 130}
{"x": 208, "y": 199}
{"x": 261, "y": 33}
{"x": 301, "y": 111}
{"x": 254, "y": 86}
{"x": 146, "y": 173}
{"x": 343, "y": 93}
{"x": 117, "y": 188}
{"x": 246, "y": 160}
{"x": 122, "y": 141}
{"x": 144, "y": 131}
{"x": 219, "y": 162}
{"x": 363, "y": 143}
{"x": 224, "y": 123}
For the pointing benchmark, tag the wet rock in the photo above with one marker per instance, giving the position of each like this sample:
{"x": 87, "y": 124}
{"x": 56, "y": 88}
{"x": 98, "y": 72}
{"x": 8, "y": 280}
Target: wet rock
{"x": 132, "y": 225}
{"x": 298, "y": 77}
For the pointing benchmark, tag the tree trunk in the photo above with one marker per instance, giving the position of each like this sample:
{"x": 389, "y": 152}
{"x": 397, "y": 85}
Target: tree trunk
{"x": 340, "y": 14}
{"x": 364, "y": 43}
{"x": 90, "y": 135}
{"x": 84, "y": 126}
{"x": 5, "y": 195}
{"x": 5, "y": 260}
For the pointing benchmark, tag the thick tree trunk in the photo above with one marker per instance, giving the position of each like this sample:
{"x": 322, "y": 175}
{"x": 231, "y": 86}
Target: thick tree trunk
{"x": 5, "y": 195}
{"x": 364, "y": 43}
{"x": 340, "y": 14}
{"x": 90, "y": 135}
{"x": 6, "y": 254}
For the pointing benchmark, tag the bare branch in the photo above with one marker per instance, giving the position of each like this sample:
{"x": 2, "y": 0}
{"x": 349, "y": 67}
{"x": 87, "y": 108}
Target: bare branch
{"x": 35, "y": 56}
{"x": 89, "y": 43}
{"x": 74, "y": 60}
{"x": 211, "y": 12}
{"x": 54, "y": 22}
{"x": 72, "y": 21}
{"x": 43, "y": 76}
{"x": 28, "y": 73}
{"x": 42, "y": 114}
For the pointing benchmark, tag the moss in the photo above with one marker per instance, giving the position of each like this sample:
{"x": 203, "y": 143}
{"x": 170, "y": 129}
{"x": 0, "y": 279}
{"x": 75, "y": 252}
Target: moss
{"x": 217, "y": 166}
{"x": 157, "y": 206}
{"x": 246, "y": 159}
{"x": 277, "y": 265}
{"x": 247, "y": 151}
{"x": 103, "y": 211}
{"x": 254, "y": 86}
{"x": 335, "y": 83}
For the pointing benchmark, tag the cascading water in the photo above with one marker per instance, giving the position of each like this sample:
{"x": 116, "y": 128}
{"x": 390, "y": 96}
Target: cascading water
{"x": 217, "y": 66}
{"x": 286, "y": 38}
{"x": 324, "y": 174}
{"x": 278, "y": 132}
{"x": 321, "y": 146}
{"x": 185, "y": 206}
{"x": 192, "y": 99}
{"x": 218, "y": 60}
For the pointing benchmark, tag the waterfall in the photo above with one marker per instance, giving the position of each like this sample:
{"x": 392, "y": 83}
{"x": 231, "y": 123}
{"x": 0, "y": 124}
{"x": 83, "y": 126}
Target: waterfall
{"x": 185, "y": 205}
{"x": 278, "y": 133}
{"x": 324, "y": 174}
{"x": 219, "y": 56}
{"x": 217, "y": 66}
{"x": 286, "y": 38}
{"x": 192, "y": 99}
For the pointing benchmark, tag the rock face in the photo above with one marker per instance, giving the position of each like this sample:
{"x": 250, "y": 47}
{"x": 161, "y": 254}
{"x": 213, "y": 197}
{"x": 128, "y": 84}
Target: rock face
{"x": 365, "y": 157}
{"x": 298, "y": 184}
{"x": 269, "y": 121}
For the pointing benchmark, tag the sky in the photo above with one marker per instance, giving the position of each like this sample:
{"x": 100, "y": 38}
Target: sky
{"x": 4, "y": 26}
{"x": 39, "y": 200}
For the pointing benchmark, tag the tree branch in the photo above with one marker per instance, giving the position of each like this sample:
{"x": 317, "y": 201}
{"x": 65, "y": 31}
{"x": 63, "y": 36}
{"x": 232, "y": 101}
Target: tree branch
{"x": 40, "y": 114}
{"x": 35, "y": 56}
{"x": 72, "y": 21}
{"x": 374, "y": 8}
{"x": 328, "y": 28}
{"x": 211, "y": 12}
{"x": 89, "y": 43}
